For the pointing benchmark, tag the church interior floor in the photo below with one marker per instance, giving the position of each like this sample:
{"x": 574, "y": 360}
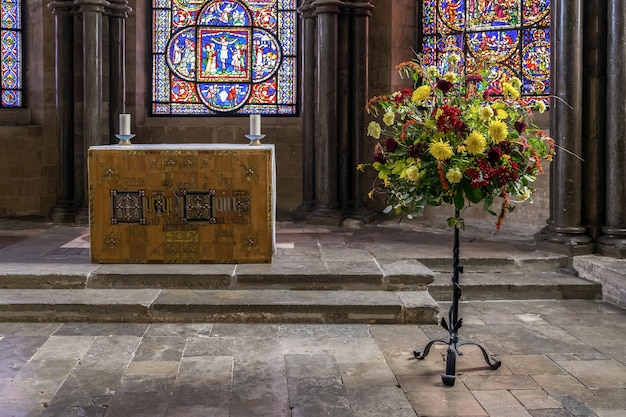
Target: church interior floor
{"x": 560, "y": 357}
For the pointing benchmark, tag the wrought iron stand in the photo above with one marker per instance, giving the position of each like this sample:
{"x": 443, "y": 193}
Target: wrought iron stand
{"x": 454, "y": 324}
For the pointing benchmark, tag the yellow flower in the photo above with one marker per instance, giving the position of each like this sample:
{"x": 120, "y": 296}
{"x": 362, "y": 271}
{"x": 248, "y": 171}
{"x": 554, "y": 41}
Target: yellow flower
{"x": 540, "y": 106}
{"x": 475, "y": 143}
{"x": 450, "y": 77}
{"x": 371, "y": 195}
{"x": 516, "y": 82}
{"x": 454, "y": 176}
{"x": 498, "y": 131}
{"x": 460, "y": 149}
{"x": 373, "y": 129}
{"x": 360, "y": 167}
{"x": 432, "y": 71}
{"x": 509, "y": 90}
{"x": 388, "y": 118}
{"x": 441, "y": 150}
{"x": 411, "y": 173}
{"x": 485, "y": 113}
{"x": 421, "y": 93}
{"x": 454, "y": 59}
{"x": 500, "y": 110}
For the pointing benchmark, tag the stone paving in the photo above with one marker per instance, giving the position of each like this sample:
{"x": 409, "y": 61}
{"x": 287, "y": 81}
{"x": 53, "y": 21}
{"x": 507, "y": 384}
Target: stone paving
{"x": 559, "y": 358}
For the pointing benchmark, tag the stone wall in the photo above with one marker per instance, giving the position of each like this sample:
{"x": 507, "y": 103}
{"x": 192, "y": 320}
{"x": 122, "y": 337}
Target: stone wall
{"x": 28, "y": 139}
{"x": 27, "y": 145}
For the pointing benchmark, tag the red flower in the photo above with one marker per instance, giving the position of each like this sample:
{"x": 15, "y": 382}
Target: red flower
{"x": 391, "y": 145}
{"x": 444, "y": 86}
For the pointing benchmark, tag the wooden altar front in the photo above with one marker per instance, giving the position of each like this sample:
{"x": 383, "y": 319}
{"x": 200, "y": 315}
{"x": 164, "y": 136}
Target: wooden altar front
{"x": 191, "y": 203}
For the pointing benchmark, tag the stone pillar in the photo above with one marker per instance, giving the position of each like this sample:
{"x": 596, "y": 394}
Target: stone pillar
{"x": 326, "y": 166}
{"x": 359, "y": 95}
{"x": 594, "y": 111}
{"x": 614, "y": 239}
{"x": 92, "y": 11}
{"x": 117, "y": 62}
{"x": 566, "y": 125}
{"x": 344, "y": 68}
{"x": 63, "y": 211}
{"x": 309, "y": 92}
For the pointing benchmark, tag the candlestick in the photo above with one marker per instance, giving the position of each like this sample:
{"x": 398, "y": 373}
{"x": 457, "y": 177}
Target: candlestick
{"x": 255, "y": 124}
{"x": 124, "y": 124}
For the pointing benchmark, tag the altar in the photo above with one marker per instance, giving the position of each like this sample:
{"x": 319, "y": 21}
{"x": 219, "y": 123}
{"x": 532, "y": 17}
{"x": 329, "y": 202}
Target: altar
{"x": 188, "y": 203}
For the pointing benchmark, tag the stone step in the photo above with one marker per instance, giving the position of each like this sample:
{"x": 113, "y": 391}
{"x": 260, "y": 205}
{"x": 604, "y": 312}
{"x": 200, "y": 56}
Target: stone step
{"x": 515, "y": 286}
{"x": 379, "y": 275}
{"x": 184, "y": 305}
{"x": 535, "y": 261}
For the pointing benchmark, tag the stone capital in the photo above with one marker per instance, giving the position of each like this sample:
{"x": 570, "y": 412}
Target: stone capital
{"x": 119, "y": 9}
{"x": 361, "y": 8}
{"x": 60, "y": 7}
{"x": 306, "y": 10}
{"x": 93, "y": 6}
{"x": 328, "y": 6}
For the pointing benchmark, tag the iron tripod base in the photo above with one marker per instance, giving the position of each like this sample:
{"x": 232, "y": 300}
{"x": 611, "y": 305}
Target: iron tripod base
{"x": 453, "y": 325}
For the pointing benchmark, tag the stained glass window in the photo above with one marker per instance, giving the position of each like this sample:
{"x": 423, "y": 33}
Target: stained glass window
{"x": 506, "y": 37}
{"x": 219, "y": 57}
{"x": 11, "y": 55}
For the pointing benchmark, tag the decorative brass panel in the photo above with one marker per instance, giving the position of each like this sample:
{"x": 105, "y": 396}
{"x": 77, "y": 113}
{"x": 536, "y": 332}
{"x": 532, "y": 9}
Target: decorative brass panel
{"x": 181, "y": 204}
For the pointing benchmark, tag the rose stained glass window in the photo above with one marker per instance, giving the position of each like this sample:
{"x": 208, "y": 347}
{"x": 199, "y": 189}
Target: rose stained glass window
{"x": 505, "y": 37}
{"x": 221, "y": 57}
{"x": 11, "y": 56}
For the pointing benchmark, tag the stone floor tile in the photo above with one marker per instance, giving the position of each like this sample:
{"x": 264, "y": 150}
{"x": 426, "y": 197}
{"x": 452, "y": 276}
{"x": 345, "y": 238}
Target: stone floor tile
{"x": 499, "y": 382}
{"x": 210, "y": 346}
{"x": 139, "y": 404}
{"x": 157, "y": 369}
{"x": 367, "y": 373}
{"x": 500, "y": 403}
{"x": 597, "y": 374}
{"x": 427, "y": 381}
{"x": 575, "y": 406}
{"x": 602, "y": 412}
{"x": 245, "y": 330}
{"x": 550, "y": 412}
{"x": 609, "y": 398}
{"x": 28, "y": 329}
{"x": 530, "y": 365}
{"x": 15, "y": 351}
{"x": 535, "y": 399}
{"x": 379, "y": 401}
{"x": 160, "y": 348}
{"x": 322, "y": 411}
{"x": 311, "y": 366}
{"x": 179, "y": 329}
{"x": 102, "y": 329}
{"x": 446, "y": 403}
{"x": 559, "y": 385}
{"x": 324, "y": 330}
{"x": 317, "y": 392}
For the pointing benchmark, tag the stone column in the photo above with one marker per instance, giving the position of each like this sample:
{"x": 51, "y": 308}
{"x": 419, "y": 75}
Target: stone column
{"x": 309, "y": 92}
{"x": 359, "y": 95}
{"x": 327, "y": 204}
{"x": 594, "y": 111}
{"x": 344, "y": 68}
{"x": 117, "y": 63}
{"x": 566, "y": 125}
{"x": 614, "y": 239}
{"x": 63, "y": 211}
{"x": 92, "y": 11}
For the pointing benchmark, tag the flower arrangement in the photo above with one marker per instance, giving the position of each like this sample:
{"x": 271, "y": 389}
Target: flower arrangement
{"x": 455, "y": 139}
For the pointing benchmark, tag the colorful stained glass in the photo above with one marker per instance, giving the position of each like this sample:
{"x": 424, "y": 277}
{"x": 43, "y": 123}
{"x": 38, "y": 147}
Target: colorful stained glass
{"x": 506, "y": 37}
{"x": 220, "y": 57}
{"x": 11, "y": 53}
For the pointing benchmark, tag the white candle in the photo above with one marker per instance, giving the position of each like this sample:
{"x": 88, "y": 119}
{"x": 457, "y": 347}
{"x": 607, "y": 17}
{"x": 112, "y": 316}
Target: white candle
{"x": 255, "y": 124}
{"x": 124, "y": 124}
